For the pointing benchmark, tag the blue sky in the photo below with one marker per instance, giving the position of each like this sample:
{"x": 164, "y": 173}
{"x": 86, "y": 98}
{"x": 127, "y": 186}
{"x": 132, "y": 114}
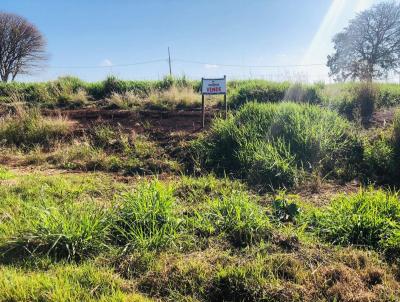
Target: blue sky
{"x": 103, "y": 34}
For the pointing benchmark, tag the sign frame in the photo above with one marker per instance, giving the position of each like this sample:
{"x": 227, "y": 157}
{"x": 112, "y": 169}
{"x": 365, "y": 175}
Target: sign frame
{"x": 203, "y": 110}
{"x": 219, "y": 80}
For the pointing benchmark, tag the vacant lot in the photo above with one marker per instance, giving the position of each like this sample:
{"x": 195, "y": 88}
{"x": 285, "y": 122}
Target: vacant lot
{"x": 110, "y": 191}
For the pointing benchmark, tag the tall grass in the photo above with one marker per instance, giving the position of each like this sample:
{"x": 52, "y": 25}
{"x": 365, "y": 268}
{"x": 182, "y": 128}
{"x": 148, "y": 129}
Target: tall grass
{"x": 71, "y": 92}
{"x": 72, "y": 232}
{"x": 368, "y": 218}
{"x": 270, "y": 143}
{"x": 240, "y": 218}
{"x": 396, "y": 129}
{"x": 382, "y": 153}
{"x": 146, "y": 218}
{"x": 28, "y": 128}
{"x": 174, "y": 98}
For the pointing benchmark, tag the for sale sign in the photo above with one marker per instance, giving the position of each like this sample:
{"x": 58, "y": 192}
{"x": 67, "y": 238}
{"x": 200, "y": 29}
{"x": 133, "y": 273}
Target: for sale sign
{"x": 213, "y": 86}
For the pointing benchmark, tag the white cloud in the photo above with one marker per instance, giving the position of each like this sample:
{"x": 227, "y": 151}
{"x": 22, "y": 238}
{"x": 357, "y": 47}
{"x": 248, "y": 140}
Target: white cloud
{"x": 106, "y": 63}
{"x": 210, "y": 66}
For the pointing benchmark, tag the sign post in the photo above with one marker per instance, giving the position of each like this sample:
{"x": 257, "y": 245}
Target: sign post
{"x": 211, "y": 87}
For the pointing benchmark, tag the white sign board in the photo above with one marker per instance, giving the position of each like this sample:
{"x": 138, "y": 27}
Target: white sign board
{"x": 213, "y": 86}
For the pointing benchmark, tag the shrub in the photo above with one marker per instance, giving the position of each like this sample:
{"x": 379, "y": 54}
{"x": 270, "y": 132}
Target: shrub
{"x": 365, "y": 99}
{"x": 301, "y": 93}
{"x": 269, "y": 143}
{"x": 380, "y": 160}
{"x": 396, "y": 129}
{"x": 145, "y": 218}
{"x": 285, "y": 210}
{"x": 29, "y": 128}
{"x": 382, "y": 153}
{"x": 369, "y": 217}
{"x": 257, "y": 90}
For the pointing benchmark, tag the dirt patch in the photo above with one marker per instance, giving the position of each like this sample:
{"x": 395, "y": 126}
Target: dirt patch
{"x": 322, "y": 195}
{"x": 188, "y": 121}
{"x": 383, "y": 117}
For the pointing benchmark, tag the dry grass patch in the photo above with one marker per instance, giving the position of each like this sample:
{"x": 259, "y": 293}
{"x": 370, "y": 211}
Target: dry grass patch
{"x": 28, "y": 128}
{"x": 174, "y": 98}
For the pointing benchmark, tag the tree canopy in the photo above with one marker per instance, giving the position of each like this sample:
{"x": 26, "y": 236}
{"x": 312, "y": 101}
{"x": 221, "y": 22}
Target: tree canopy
{"x": 369, "y": 47}
{"x": 22, "y": 46}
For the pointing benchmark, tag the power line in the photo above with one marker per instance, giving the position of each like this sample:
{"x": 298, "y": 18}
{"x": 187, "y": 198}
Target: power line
{"x": 182, "y": 61}
{"x": 246, "y": 66}
{"x": 108, "y": 66}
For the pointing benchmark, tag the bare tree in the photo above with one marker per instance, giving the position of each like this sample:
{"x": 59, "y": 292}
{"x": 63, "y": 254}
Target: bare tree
{"x": 22, "y": 46}
{"x": 369, "y": 47}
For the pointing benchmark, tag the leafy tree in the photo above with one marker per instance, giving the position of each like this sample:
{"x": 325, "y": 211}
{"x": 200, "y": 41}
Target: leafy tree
{"x": 369, "y": 47}
{"x": 22, "y": 46}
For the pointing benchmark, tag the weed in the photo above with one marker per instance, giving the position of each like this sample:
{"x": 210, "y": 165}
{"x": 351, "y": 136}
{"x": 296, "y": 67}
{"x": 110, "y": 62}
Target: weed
{"x": 145, "y": 218}
{"x": 241, "y": 219}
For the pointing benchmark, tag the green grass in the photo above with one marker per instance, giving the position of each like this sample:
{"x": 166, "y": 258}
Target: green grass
{"x": 71, "y": 232}
{"x": 271, "y": 92}
{"x": 146, "y": 219}
{"x": 85, "y": 282}
{"x": 5, "y": 174}
{"x": 382, "y": 153}
{"x": 271, "y": 144}
{"x": 240, "y": 218}
{"x": 88, "y": 237}
{"x": 368, "y": 218}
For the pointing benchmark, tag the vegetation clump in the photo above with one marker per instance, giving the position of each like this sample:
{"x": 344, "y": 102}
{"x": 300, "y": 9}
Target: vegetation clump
{"x": 368, "y": 218}
{"x": 28, "y": 128}
{"x": 271, "y": 144}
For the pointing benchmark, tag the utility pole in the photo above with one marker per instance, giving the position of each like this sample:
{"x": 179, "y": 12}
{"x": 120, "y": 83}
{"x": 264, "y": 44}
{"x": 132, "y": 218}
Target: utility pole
{"x": 169, "y": 62}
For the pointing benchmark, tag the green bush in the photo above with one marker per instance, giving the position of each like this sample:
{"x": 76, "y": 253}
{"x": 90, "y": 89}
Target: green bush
{"x": 257, "y": 90}
{"x": 261, "y": 91}
{"x": 380, "y": 160}
{"x": 270, "y": 143}
{"x": 369, "y": 218}
{"x": 365, "y": 99}
{"x": 382, "y": 154}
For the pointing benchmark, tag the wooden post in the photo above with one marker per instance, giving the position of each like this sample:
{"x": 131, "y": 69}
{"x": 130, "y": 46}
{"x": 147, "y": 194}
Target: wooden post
{"x": 169, "y": 62}
{"x": 226, "y": 107}
{"x": 203, "y": 111}
{"x": 225, "y": 102}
